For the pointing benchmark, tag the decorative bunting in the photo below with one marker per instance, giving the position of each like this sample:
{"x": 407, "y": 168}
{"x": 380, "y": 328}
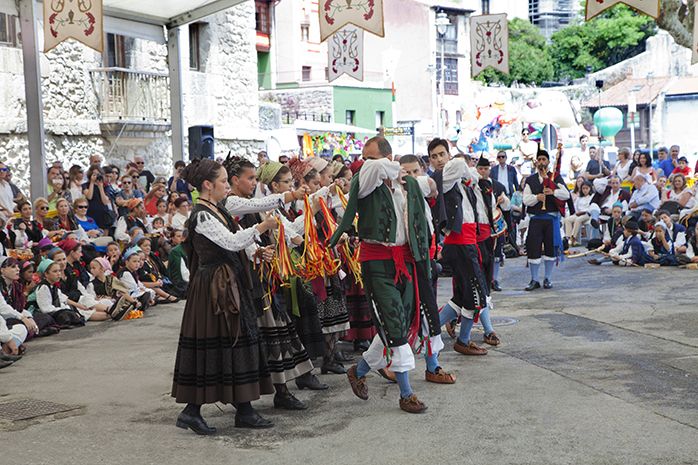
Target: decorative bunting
{"x": 648, "y": 7}
{"x": 694, "y": 58}
{"x": 81, "y": 20}
{"x": 345, "y": 52}
{"x": 489, "y": 43}
{"x": 335, "y": 14}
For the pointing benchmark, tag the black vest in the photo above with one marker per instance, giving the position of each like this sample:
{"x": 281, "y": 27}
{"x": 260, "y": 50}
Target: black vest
{"x": 533, "y": 182}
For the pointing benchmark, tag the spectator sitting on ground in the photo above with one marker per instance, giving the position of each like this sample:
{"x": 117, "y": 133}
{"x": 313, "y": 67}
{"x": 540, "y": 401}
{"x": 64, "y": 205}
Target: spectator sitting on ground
{"x": 631, "y": 251}
{"x": 104, "y": 287}
{"x": 129, "y": 276}
{"x": 114, "y": 256}
{"x": 676, "y": 232}
{"x": 163, "y": 212}
{"x": 608, "y": 192}
{"x": 27, "y": 278}
{"x": 691, "y": 254}
{"x": 153, "y": 273}
{"x": 57, "y": 187}
{"x": 661, "y": 247}
{"x": 182, "y": 214}
{"x": 683, "y": 167}
{"x": 645, "y": 196}
{"x": 614, "y": 228}
{"x": 646, "y": 224}
{"x": 51, "y": 302}
{"x": 11, "y": 340}
{"x": 177, "y": 269}
{"x": 135, "y": 218}
{"x": 76, "y": 178}
{"x": 12, "y": 299}
{"x": 177, "y": 184}
{"x": 644, "y": 166}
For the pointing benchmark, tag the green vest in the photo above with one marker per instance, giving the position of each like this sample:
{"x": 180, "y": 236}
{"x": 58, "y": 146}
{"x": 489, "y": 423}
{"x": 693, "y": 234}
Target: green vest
{"x": 377, "y": 220}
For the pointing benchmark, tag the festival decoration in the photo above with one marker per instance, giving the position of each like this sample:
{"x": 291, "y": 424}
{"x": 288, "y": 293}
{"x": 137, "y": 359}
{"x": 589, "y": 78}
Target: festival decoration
{"x": 81, "y": 20}
{"x": 345, "y": 53}
{"x": 648, "y": 7}
{"x": 694, "y": 57}
{"x": 335, "y": 14}
{"x": 609, "y": 120}
{"x": 489, "y": 43}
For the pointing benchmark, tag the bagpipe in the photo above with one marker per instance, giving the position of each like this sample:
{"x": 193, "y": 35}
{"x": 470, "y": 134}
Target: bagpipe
{"x": 549, "y": 180}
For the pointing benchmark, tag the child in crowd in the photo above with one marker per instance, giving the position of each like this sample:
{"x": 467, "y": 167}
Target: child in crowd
{"x": 129, "y": 276}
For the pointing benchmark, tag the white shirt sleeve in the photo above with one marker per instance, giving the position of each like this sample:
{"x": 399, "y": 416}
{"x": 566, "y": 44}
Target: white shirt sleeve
{"x": 214, "y": 230}
{"x": 529, "y": 198}
{"x": 561, "y": 193}
{"x": 130, "y": 283}
{"x": 239, "y": 206}
{"x": 374, "y": 172}
{"x": 121, "y": 234}
{"x": 5, "y": 334}
{"x": 7, "y": 311}
{"x": 184, "y": 270}
{"x": 423, "y": 182}
{"x": 44, "y": 301}
{"x": 456, "y": 170}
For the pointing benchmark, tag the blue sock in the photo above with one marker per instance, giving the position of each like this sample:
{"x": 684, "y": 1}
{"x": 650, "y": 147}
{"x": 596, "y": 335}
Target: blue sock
{"x": 549, "y": 265}
{"x": 534, "y": 267}
{"x": 495, "y": 273}
{"x": 486, "y": 321}
{"x": 403, "y": 381}
{"x": 362, "y": 368}
{"x": 466, "y": 324}
{"x": 447, "y": 314}
{"x": 432, "y": 362}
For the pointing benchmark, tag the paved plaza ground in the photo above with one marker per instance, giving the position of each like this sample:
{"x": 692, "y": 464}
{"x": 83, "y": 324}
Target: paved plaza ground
{"x": 603, "y": 369}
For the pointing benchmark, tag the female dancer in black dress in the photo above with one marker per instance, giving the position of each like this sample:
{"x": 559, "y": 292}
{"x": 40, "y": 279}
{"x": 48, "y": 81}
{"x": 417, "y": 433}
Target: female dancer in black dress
{"x": 219, "y": 358}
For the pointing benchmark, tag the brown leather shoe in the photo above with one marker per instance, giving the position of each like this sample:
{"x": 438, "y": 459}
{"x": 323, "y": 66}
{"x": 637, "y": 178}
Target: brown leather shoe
{"x": 388, "y": 375}
{"x": 358, "y": 385}
{"x": 469, "y": 349}
{"x": 440, "y": 377}
{"x": 491, "y": 339}
{"x": 412, "y": 405}
{"x": 450, "y": 329}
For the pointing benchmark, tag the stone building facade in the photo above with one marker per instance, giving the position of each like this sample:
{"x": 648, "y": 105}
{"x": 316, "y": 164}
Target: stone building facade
{"x": 117, "y": 104}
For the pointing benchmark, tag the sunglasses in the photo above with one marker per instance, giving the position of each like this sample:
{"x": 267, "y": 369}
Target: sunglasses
{"x": 43, "y": 208}
{"x": 140, "y": 163}
{"x": 127, "y": 183}
{"x": 81, "y": 206}
{"x": 501, "y": 156}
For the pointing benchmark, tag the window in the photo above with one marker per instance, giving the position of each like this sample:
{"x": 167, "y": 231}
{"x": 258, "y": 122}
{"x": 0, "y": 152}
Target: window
{"x": 306, "y": 73}
{"x": 116, "y": 51}
{"x": 350, "y": 117}
{"x": 380, "y": 116}
{"x": 459, "y": 116}
{"x": 9, "y": 30}
{"x": 450, "y": 78}
{"x": 194, "y": 46}
{"x": 450, "y": 38}
{"x": 305, "y": 32}
{"x": 262, "y": 16}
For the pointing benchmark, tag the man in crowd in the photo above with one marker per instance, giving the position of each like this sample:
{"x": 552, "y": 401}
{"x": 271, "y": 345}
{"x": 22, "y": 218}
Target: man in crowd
{"x": 505, "y": 174}
{"x": 645, "y": 196}
{"x": 143, "y": 177}
{"x": 608, "y": 193}
{"x": 7, "y": 202}
{"x": 597, "y": 166}
{"x": 177, "y": 184}
{"x": 664, "y": 162}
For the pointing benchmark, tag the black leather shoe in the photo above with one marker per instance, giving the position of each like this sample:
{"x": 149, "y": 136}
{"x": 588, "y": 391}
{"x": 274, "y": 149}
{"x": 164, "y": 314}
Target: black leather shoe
{"x": 334, "y": 367}
{"x": 547, "y": 284}
{"x": 254, "y": 420}
{"x": 310, "y": 382}
{"x": 495, "y": 286}
{"x": 343, "y": 357}
{"x": 196, "y": 423}
{"x": 532, "y": 285}
{"x": 288, "y": 402}
{"x": 361, "y": 345}
{"x": 5, "y": 364}
{"x": 9, "y": 357}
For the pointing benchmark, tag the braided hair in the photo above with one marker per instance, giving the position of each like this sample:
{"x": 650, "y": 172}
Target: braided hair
{"x": 235, "y": 165}
{"x": 200, "y": 170}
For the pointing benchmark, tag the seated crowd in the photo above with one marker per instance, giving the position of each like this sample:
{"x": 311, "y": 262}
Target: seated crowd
{"x": 103, "y": 245}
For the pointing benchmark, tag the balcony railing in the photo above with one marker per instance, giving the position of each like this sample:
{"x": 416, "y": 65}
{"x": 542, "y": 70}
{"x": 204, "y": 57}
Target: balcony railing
{"x": 288, "y": 117}
{"x": 125, "y": 94}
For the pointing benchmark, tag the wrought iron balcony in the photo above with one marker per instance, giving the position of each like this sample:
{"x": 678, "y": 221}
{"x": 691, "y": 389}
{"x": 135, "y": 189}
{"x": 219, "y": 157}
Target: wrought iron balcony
{"x": 129, "y": 95}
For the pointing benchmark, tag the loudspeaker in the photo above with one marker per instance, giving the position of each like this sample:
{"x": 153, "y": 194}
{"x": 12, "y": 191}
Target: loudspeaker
{"x": 201, "y": 142}
{"x": 599, "y": 84}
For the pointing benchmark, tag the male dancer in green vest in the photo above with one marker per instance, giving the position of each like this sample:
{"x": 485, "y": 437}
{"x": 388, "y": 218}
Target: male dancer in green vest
{"x": 394, "y": 236}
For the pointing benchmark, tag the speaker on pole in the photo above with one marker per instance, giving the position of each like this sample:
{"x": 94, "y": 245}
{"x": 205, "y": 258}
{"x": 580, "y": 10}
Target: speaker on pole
{"x": 201, "y": 142}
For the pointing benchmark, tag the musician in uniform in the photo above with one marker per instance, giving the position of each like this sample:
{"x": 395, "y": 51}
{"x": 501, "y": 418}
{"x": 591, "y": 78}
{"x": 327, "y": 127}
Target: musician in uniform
{"x": 542, "y": 192}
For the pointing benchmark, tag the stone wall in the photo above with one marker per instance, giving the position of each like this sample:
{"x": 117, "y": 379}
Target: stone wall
{"x": 310, "y": 100}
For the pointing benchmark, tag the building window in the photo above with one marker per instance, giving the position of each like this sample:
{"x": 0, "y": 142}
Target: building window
{"x": 350, "y": 117}
{"x": 305, "y": 32}
{"x": 194, "y": 46}
{"x": 449, "y": 41}
{"x": 306, "y": 73}
{"x": 262, "y": 16}
{"x": 380, "y": 116}
{"x": 9, "y": 30}
{"x": 459, "y": 116}
{"x": 116, "y": 51}
{"x": 450, "y": 78}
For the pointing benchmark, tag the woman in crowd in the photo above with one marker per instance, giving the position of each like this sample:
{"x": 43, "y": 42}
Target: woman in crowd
{"x": 87, "y": 223}
{"x": 41, "y": 208}
{"x": 181, "y": 214}
{"x": 13, "y": 302}
{"x": 219, "y": 308}
{"x": 99, "y": 203}
{"x": 64, "y": 220}
{"x": 126, "y": 193}
{"x": 76, "y": 177}
{"x": 57, "y": 187}
{"x": 578, "y": 183}
{"x": 157, "y": 192}
{"x": 678, "y": 196}
{"x": 644, "y": 166}
{"x": 32, "y": 229}
{"x": 574, "y": 222}
{"x": 623, "y": 165}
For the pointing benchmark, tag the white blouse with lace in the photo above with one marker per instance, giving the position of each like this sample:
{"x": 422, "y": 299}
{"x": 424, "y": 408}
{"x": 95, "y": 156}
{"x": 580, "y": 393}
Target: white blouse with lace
{"x": 212, "y": 228}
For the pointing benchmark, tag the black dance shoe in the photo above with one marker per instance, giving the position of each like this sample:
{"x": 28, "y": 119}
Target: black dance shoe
{"x": 333, "y": 367}
{"x": 532, "y": 286}
{"x": 5, "y": 364}
{"x": 288, "y": 402}
{"x": 343, "y": 357}
{"x": 9, "y": 357}
{"x": 547, "y": 284}
{"x": 310, "y": 382}
{"x": 253, "y": 420}
{"x": 495, "y": 286}
{"x": 196, "y": 423}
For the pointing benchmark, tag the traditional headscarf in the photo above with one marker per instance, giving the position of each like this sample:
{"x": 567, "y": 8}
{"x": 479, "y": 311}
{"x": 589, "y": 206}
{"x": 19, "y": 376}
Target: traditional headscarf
{"x": 6, "y": 262}
{"x": 104, "y": 264}
{"x": 299, "y": 168}
{"x": 44, "y": 243}
{"x": 131, "y": 251}
{"x": 43, "y": 266}
{"x": 335, "y": 168}
{"x": 68, "y": 245}
{"x": 131, "y": 204}
{"x": 268, "y": 171}
{"x": 317, "y": 163}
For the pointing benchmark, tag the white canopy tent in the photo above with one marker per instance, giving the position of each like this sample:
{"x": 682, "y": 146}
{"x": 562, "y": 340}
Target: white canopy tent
{"x": 136, "y": 18}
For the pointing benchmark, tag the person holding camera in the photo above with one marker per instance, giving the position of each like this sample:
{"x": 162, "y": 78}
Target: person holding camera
{"x": 57, "y": 187}
{"x": 99, "y": 202}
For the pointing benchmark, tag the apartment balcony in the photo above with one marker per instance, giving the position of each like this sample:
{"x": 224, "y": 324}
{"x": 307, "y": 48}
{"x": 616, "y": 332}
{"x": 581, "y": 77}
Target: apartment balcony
{"x": 133, "y": 100}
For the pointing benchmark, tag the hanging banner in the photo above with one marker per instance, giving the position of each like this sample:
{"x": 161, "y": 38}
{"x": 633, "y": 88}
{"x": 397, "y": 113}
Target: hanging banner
{"x": 648, "y": 7}
{"x": 345, "y": 51}
{"x": 489, "y": 43}
{"x": 694, "y": 58}
{"x": 81, "y": 20}
{"x": 335, "y": 14}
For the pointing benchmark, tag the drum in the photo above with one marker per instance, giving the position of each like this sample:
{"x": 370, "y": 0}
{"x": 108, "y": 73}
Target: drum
{"x": 500, "y": 226}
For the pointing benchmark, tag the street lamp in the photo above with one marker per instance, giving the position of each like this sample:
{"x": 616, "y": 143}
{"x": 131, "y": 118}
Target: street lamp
{"x": 442, "y": 24}
{"x": 632, "y": 109}
{"x": 650, "y": 76}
